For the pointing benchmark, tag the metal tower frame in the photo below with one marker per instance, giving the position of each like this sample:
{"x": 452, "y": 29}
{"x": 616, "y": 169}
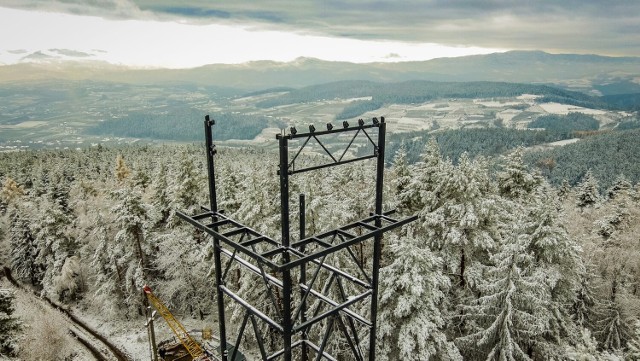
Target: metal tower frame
{"x": 294, "y": 308}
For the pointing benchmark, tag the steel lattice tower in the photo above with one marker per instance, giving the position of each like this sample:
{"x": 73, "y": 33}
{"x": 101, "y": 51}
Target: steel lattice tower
{"x": 304, "y": 294}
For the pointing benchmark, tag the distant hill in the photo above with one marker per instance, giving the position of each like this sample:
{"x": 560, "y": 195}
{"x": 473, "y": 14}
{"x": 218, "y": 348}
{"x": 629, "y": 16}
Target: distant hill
{"x": 419, "y": 91}
{"x": 607, "y": 155}
{"x": 588, "y": 73}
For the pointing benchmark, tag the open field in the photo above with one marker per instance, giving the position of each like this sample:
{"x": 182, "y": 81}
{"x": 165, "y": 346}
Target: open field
{"x": 61, "y": 116}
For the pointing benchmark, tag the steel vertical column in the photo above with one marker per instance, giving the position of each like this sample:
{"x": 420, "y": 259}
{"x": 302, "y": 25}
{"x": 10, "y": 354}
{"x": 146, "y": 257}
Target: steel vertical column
{"x": 377, "y": 241}
{"x": 303, "y": 277}
{"x": 213, "y": 204}
{"x": 286, "y": 274}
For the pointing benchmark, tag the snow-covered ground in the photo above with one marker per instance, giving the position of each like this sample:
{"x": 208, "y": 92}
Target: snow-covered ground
{"x": 557, "y": 108}
{"x": 45, "y": 333}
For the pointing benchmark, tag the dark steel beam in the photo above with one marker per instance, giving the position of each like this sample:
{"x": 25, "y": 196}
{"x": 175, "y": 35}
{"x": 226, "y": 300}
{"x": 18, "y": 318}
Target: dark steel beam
{"x": 254, "y": 311}
{"x": 213, "y": 204}
{"x": 377, "y": 241}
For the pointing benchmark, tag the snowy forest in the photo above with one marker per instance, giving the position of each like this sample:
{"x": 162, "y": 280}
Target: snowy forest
{"x": 500, "y": 265}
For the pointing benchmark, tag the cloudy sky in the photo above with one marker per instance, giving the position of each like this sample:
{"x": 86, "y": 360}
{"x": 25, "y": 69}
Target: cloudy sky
{"x": 174, "y": 33}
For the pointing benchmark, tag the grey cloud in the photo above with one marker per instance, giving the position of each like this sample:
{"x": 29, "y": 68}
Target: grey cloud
{"x": 17, "y": 51}
{"x": 38, "y": 55}
{"x": 582, "y": 26}
{"x": 70, "y": 53}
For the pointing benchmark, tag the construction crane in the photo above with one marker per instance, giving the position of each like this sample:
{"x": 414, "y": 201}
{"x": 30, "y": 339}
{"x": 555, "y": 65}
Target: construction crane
{"x": 193, "y": 347}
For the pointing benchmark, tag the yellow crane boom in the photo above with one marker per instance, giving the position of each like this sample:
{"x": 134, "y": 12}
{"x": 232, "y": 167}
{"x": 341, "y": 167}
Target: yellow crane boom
{"x": 181, "y": 333}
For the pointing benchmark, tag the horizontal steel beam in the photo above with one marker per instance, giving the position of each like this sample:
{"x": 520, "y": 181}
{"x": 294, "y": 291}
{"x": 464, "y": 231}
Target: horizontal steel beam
{"x": 324, "y": 132}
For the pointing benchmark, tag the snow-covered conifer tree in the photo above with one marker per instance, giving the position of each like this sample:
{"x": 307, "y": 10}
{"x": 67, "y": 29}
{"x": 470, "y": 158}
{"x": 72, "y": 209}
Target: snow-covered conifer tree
{"x": 109, "y": 284}
{"x": 412, "y": 287}
{"x": 161, "y": 196}
{"x": 511, "y": 315}
{"x": 634, "y": 344}
{"x": 531, "y": 203}
{"x": 186, "y": 263}
{"x": 426, "y": 174}
{"x": 587, "y": 191}
{"x": 24, "y": 249}
{"x": 9, "y": 325}
{"x": 621, "y": 185}
{"x": 401, "y": 177}
{"x": 185, "y": 189}
{"x": 461, "y": 216}
{"x": 132, "y": 217}
{"x": 54, "y": 242}
{"x": 564, "y": 189}
{"x": 515, "y": 181}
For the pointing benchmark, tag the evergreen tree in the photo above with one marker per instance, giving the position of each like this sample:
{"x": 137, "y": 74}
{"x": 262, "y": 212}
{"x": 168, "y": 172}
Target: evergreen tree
{"x": 54, "y": 243}
{"x": 511, "y": 315}
{"x": 613, "y": 329}
{"x": 564, "y": 189}
{"x": 186, "y": 262}
{"x": 621, "y": 184}
{"x": 161, "y": 196}
{"x": 532, "y": 206}
{"x": 9, "y": 325}
{"x": 132, "y": 217}
{"x": 412, "y": 289}
{"x": 587, "y": 191}
{"x": 583, "y": 304}
{"x": 461, "y": 217}
{"x": 634, "y": 344}
{"x": 515, "y": 181}
{"x": 109, "y": 284}
{"x": 401, "y": 179}
{"x": 422, "y": 188}
{"x": 24, "y": 250}
{"x": 186, "y": 189}
{"x": 58, "y": 191}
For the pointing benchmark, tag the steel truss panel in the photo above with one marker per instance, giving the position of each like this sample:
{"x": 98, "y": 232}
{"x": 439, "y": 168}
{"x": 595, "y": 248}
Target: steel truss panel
{"x": 329, "y": 298}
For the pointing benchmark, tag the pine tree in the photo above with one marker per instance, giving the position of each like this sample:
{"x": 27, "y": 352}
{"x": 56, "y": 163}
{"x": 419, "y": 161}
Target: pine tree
{"x": 583, "y": 304}
{"x": 24, "y": 250}
{"x": 422, "y": 188}
{"x": 402, "y": 176}
{"x": 132, "y": 217}
{"x": 186, "y": 189}
{"x": 186, "y": 266}
{"x": 511, "y": 315}
{"x": 161, "y": 196}
{"x": 613, "y": 329}
{"x": 412, "y": 289}
{"x": 9, "y": 325}
{"x": 634, "y": 344}
{"x": 515, "y": 181}
{"x": 109, "y": 284}
{"x": 54, "y": 243}
{"x": 461, "y": 216}
{"x": 620, "y": 185}
{"x": 587, "y": 191}
{"x": 532, "y": 206}
{"x": 564, "y": 189}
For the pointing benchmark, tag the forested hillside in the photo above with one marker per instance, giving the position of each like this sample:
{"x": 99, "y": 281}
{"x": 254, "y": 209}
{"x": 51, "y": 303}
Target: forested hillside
{"x": 499, "y": 265}
{"x": 423, "y": 91}
{"x": 178, "y": 124}
{"x": 608, "y": 155}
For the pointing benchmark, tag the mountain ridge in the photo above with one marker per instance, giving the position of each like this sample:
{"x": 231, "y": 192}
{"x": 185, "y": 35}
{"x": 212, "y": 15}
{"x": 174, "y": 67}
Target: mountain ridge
{"x": 583, "y": 72}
